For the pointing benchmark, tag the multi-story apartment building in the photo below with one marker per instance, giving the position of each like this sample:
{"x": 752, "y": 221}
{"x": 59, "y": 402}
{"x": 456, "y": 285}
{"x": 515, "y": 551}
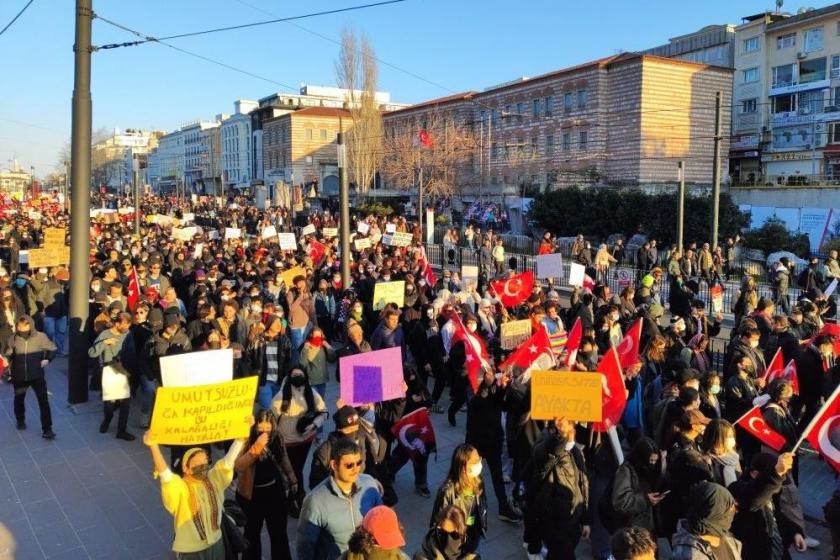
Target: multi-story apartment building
{"x": 111, "y": 168}
{"x": 299, "y": 148}
{"x": 713, "y": 44}
{"x": 166, "y": 163}
{"x": 202, "y": 156}
{"x": 14, "y": 181}
{"x": 786, "y": 99}
{"x": 237, "y": 164}
{"x": 625, "y": 119}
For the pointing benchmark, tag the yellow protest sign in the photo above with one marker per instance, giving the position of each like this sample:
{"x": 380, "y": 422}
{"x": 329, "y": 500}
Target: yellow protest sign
{"x": 566, "y": 394}
{"x": 290, "y": 274}
{"x": 203, "y": 413}
{"x": 515, "y": 333}
{"x": 388, "y": 292}
{"x": 54, "y": 237}
{"x": 49, "y": 256}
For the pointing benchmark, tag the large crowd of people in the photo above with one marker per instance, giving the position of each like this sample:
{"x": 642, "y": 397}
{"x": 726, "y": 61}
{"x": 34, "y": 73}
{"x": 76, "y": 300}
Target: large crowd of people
{"x": 677, "y": 472}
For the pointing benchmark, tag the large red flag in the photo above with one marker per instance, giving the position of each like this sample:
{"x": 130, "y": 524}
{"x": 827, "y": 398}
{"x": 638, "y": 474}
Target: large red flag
{"x": 628, "y": 350}
{"x": 775, "y": 367}
{"x": 133, "y": 297}
{"x": 426, "y": 270}
{"x": 425, "y": 139}
{"x": 534, "y": 353}
{"x": 514, "y": 290}
{"x": 415, "y": 432}
{"x": 614, "y": 395}
{"x": 476, "y": 352}
{"x": 316, "y": 252}
{"x": 573, "y": 343}
{"x": 753, "y": 422}
{"x": 824, "y": 430}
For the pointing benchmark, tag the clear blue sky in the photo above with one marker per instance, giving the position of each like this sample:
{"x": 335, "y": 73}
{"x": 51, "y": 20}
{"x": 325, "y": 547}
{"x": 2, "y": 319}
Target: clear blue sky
{"x": 457, "y": 44}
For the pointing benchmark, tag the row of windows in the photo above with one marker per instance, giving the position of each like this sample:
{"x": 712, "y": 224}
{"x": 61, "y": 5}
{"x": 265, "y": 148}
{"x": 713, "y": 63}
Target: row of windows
{"x": 812, "y": 40}
{"x": 282, "y": 134}
{"x": 532, "y": 149}
{"x": 796, "y": 73}
{"x": 540, "y": 107}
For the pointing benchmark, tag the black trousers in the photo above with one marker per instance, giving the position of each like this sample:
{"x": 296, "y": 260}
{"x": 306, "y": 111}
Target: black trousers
{"x": 40, "y": 388}
{"x": 123, "y": 406}
{"x": 267, "y": 505}
{"x": 494, "y": 465}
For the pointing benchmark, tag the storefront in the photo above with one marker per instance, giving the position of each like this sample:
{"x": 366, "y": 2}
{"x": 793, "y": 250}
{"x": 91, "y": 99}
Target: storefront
{"x": 831, "y": 154}
{"x": 744, "y": 160}
{"x": 793, "y": 168}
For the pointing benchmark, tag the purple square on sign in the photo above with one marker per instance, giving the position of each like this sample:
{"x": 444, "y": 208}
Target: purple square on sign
{"x": 367, "y": 384}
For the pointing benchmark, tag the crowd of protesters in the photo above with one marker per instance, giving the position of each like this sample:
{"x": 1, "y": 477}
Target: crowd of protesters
{"x": 681, "y": 474}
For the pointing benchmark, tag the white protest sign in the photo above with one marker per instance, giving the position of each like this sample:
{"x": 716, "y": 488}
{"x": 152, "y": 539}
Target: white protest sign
{"x": 199, "y": 247}
{"x": 550, "y": 266}
{"x": 125, "y": 210}
{"x": 309, "y": 229}
{"x": 363, "y": 243}
{"x": 469, "y": 274}
{"x": 390, "y": 228}
{"x": 330, "y": 232}
{"x": 197, "y": 368}
{"x": 268, "y": 232}
{"x": 831, "y": 288}
{"x": 213, "y": 234}
{"x": 184, "y": 234}
{"x": 232, "y": 233}
{"x": 363, "y": 228}
{"x": 188, "y": 218}
{"x": 288, "y": 242}
{"x": 576, "y": 274}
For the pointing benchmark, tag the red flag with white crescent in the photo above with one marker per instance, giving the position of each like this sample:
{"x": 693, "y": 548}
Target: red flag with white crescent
{"x": 514, "y": 290}
{"x": 415, "y": 432}
{"x": 133, "y": 297}
{"x": 753, "y": 422}
{"x": 789, "y": 372}
{"x": 572, "y": 345}
{"x": 476, "y": 352}
{"x": 614, "y": 397}
{"x": 824, "y": 430}
{"x": 425, "y": 139}
{"x": 534, "y": 353}
{"x": 628, "y": 349}
{"x": 775, "y": 367}
{"x": 316, "y": 252}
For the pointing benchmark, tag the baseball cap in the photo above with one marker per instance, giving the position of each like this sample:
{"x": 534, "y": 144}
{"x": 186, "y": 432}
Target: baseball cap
{"x": 382, "y": 523}
{"x": 691, "y": 417}
{"x": 345, "y": 417}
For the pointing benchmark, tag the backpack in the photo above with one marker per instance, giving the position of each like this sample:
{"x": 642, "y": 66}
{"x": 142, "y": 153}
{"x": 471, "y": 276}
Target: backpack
{"x": 609, "y": 518}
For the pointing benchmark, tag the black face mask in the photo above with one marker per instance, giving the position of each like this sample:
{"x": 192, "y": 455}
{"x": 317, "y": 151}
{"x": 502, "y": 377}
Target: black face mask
{"x": 25, "y": 334}
{"x": 297, "y": 381}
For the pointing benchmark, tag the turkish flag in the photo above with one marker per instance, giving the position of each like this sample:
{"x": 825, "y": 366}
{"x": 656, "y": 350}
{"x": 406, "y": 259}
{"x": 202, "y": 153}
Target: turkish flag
{"x": 476, "y": 352}
{"x": 824, "y": 430}
{"x": 534, "y": 353}
{"x": 832, "y": 329}
{"x": 514, "y": 290}
{"x": 426, "y": 139}
{"x": 415, "y": 432}
{"x": 753, "y": 422}
{"x": 775, "y": 367}
{"x": 614, "y": 396}
{"x": 588, "y": 283}
{"x": 573, "y": 343}
{"x": 133, "y": 297}
{"x": 316, "y": 252}
{"x": 427, "y": 271}
{"x": 628, "y": 350}
{"x": 789, "y": 372}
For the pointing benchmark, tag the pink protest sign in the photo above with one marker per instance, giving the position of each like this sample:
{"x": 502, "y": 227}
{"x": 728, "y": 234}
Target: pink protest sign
{"x": 372, "y": 377}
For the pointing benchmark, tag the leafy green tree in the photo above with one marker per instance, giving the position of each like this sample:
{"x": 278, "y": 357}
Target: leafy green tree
{"x": 773, "y": 236}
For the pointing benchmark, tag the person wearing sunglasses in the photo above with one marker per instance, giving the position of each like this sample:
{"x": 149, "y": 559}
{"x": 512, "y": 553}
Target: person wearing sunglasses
{"x": 447, "y": 538}
{"x": 334, "y": 509}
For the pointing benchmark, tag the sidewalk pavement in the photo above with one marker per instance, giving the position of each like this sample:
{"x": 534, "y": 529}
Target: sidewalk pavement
{"x": 89, "y": 496}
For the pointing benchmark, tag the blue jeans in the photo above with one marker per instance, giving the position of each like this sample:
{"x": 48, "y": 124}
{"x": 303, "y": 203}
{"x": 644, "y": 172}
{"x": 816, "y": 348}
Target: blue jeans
{"x": 265, "y": 393}
{"x": 297, "y": 337}
{"x": 147, "y": 394}
{"x": 56, "y": 330}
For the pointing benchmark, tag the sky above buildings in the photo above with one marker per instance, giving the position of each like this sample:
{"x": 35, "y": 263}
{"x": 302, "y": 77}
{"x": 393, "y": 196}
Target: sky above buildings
{"x": 428, "y": 48}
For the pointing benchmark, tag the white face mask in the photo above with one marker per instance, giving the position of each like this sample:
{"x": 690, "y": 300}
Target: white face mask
{"x": 730, "y": 443}
{"x": 569, "y": 445}
{"x": 430, "y": 313}
{"x": 256, "y": 309}
{"x": 753, "y": 344}
{"x": 614, "y": 317}
{"x": 471, "y": 327}
{"x": 475, "y": 470}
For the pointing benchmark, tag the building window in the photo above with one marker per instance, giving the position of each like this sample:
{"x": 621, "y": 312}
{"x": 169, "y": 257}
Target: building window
{"x": 835, "y": 66}
{"x": 520, "y": 109}
{"x": 549, "y": 144}
{"x": 536, "y": 111}
{"x": 323, "y": 134}
{"x": 751, "y": 45}
{"x": 549, "y": 106}
{"x": 833, "y": 133}
{"x": 783, "y": 75}
{"x": 750, "y": 75}
{"x": 811, "y": 70}
{"x": 835, "y": 96}
{"x": 568, "y": 101}
{"x": 811, "y": 102}
{"x": 814, "y": 40}
{"x": 786, "y": 41}
{"x": 581, "y": 99}
{"x": 308, "y": 134}
{"x": 494, "y": 118}
{"x": 583, "y": 138}
{"x": 749, "y": 105}
{"x": 508, "y": 113}
{"x": 567, "y": 141}
{"x": 784, "y": 103}
{"x": 494, "y": 151}
{"x": 534, "y": 146}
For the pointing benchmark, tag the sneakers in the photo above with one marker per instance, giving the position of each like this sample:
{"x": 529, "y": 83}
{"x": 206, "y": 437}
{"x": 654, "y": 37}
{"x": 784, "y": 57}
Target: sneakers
{"x": 48, "y": 434}
{"x": 510, "y": 515}
{"x": 126, "y": 436}
{"x": 423, "y": 491}
{"x": 811, "y": 542}
{"x": 21, "y": 425}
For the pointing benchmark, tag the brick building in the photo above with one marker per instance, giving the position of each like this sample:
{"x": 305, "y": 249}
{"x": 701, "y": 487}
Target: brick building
{"x": 622, "y": 120}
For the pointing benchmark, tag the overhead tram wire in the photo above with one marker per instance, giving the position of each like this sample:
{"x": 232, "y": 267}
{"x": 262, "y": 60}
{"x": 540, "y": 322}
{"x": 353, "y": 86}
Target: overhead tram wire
{"x": 14, "y": 19}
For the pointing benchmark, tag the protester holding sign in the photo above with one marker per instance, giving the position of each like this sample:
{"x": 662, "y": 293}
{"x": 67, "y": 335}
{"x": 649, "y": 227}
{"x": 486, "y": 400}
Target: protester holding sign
{"x": 115, "y": 350}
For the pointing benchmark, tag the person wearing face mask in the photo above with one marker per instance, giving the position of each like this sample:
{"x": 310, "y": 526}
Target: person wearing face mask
{"x": 747, "y": 345}
{"x": 268, "y": 355}
{"x": 426, "y": 346}
{"x": 609, "y": 332}
{"x": 356, "y": 344}
{"x": 196, "y": 500}
{"x": 675, "y": 334}
{"x": 26, "y": 354}
{"x": 587, "y": 355}
{"x": 703, "y": 534}
{"x": 389, "y": 332}
{"x": 720, "y": 444}
{"x": 456, "y": 369}
{"x": 464, "y": 488}
{"x": 818, "y": 371}
{"x": 148, "y": 380}
{"x": 557, "y": 513}
{"x": 264, "y": 486}
{"x": 325, "y": 306}
{"x": 636, "y": 487}
{"x": 711, "y": 404}
{"x": 687, "y": 465}
{"x": 446, "y": 539}
{"x": 316, "y": 353}
{"x": 115, "y": 349}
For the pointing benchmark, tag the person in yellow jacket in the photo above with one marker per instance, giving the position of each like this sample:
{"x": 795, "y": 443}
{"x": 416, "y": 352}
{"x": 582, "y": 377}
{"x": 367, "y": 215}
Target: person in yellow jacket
{"x": 196, "y": 499}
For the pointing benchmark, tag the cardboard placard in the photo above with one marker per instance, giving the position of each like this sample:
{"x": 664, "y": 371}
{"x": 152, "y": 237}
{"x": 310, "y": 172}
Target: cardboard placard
{"x": 290, "y": 274}
{"x": 54, "y": 237}
{"x": 388, "y": 292}
{"x": 565, "y": 394}
{"x": 196, "y": 368}
{"x": 330, "y": 232}
{"x": 363, "y": 243}
{"x": 308, "y": 229}
{"x": 363, "y": 228}
{"x": 550, "y": 266}
{"x": 716, "y": 295}
{"x": 515, "y": 333}
{"x": 469, "y": 274}
{"x": 204, "y": 413}
{"x": 288, "y": 241}
{"x": 232, "y": 233}
{"x": 390, "y": 228}
{"x": 48, "y": 257}
{"x": 184, "y": 234}
{"x": 187, "y": 218}
{"x": 268, "y": 232}
{"x": 576, "y": 274}
{"x": 400, "y": 239}
{"x": 372, "y": 377}
{"x": 125, "y": 210}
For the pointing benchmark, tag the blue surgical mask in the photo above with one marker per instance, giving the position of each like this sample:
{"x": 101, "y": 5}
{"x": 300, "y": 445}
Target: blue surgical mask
{"x": 20, "y": 282}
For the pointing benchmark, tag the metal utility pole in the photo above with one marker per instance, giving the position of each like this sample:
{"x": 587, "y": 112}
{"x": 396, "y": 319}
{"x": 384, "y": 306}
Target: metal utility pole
{"x": 344, "y": 213}
{"x": 134, "y": 178}
{"x": 716, "y": 174}
{"x": 680, "y": 206}
{"x": 420, "y": 212}
{"x": 77, "y": 378}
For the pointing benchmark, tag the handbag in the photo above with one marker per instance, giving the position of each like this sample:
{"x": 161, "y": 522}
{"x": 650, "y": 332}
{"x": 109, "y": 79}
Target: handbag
{"x": 306, "y": 420}
{"x": 233, "y": 537}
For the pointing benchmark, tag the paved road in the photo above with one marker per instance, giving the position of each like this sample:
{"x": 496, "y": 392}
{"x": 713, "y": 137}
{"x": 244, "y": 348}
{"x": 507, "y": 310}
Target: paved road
{"x": 88, "y": 496}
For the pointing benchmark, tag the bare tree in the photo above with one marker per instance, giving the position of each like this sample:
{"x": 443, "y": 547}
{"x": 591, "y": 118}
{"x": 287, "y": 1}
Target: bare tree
{"x": 357, "y": 71}
{"x": 441, "y": 167}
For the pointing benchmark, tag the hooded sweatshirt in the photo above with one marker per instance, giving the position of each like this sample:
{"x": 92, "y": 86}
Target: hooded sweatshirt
{"x": 25, "y": 353}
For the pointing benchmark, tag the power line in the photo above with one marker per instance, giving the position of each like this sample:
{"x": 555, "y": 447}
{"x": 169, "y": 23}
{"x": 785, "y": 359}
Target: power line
{"x": 254, "y": 24}
{"x": 14, "y": 19}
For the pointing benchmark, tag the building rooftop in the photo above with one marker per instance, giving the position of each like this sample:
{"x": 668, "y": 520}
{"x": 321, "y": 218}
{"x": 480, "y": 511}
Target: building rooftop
{"x": 463, "y": 96}
{"x": 803, "y": 16}
{"x": 321, "y": 112}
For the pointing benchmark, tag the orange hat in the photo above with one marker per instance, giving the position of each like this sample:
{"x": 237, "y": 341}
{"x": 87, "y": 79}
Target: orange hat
{"x": 382, "y": 523}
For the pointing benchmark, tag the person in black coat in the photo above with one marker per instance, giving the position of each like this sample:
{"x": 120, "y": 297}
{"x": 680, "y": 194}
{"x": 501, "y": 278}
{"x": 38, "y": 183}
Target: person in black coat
{"x": 426, "y": 346}
{"x": 389, "y": 412}
{"x": 818, "y": 371}
{"x": 687, "y": 465}
{"x": 484, "y": 432}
